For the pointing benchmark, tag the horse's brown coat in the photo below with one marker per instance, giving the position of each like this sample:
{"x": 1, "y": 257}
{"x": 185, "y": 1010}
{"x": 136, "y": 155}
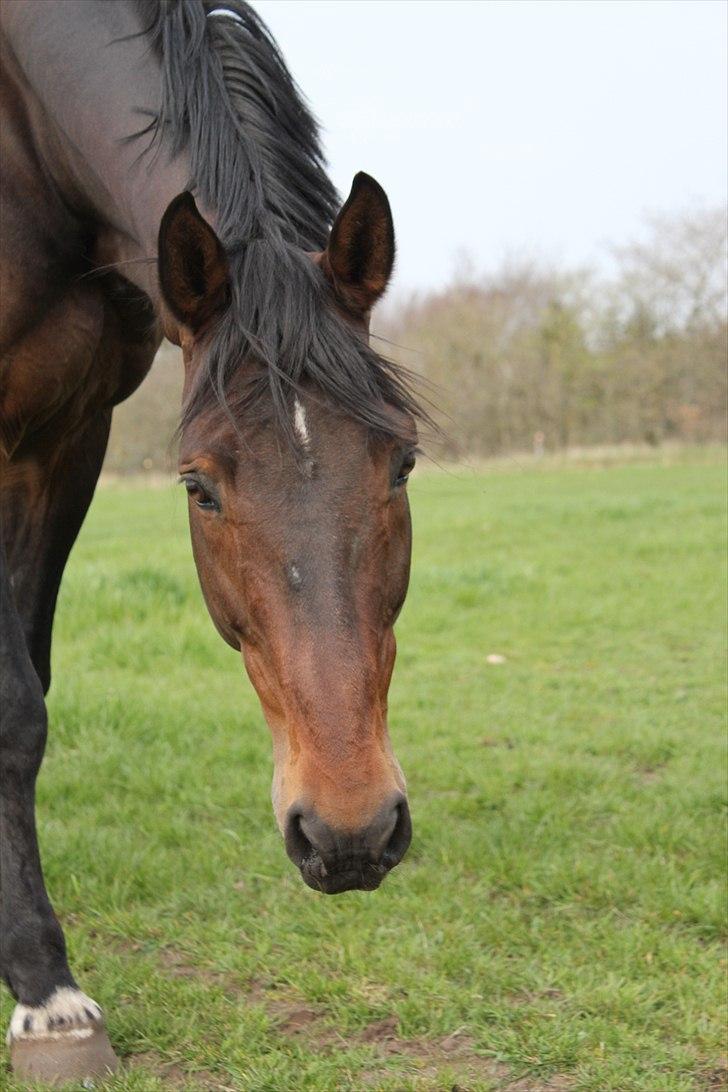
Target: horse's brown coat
{"x": 302, "y": 548}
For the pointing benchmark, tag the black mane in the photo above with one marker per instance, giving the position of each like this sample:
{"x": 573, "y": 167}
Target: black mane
{"x": 256, "y": 158}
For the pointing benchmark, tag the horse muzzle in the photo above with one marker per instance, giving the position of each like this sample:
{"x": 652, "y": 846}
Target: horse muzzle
{"x": 333, "y": 861}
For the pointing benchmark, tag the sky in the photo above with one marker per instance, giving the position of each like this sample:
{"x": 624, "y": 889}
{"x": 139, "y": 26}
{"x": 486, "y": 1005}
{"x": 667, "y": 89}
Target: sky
{"x": 504, "y": 129}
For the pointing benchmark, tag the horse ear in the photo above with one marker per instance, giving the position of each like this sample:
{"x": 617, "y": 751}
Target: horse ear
{"x": 360, "y": 254}
{"x": 193, "y": 267}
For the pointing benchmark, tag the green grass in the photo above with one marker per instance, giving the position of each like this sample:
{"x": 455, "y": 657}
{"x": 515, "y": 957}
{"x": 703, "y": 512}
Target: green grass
{"x": 558, "y": 919}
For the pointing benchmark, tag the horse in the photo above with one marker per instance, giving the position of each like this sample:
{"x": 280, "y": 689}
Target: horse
{"x": 162, "y": 176}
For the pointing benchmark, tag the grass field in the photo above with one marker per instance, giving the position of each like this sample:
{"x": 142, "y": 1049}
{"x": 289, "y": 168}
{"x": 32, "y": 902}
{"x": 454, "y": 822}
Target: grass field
{"x": 557, "y": 923}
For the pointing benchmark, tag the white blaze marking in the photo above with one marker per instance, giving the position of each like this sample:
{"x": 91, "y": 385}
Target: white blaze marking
{"x": 80, "y": 1016}
{"x": 299, "y": 423}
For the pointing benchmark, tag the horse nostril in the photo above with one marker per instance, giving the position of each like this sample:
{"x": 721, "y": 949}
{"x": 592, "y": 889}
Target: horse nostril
{"x": 400, "y": 837}
{"x": 298, "y": 847}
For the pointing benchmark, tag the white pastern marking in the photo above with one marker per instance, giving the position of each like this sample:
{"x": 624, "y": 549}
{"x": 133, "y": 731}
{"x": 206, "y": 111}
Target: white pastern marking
{"x": 299, "y": 423}
{"x": 67, "y": 1013}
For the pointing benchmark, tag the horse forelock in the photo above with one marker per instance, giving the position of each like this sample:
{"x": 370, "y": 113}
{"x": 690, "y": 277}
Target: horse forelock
{"x": 256, "y": 159}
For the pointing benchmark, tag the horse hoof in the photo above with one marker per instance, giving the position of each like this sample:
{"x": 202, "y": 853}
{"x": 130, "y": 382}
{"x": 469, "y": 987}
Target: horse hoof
{"x": 65, "y": 1058}
{"x": 60, "y": 1041}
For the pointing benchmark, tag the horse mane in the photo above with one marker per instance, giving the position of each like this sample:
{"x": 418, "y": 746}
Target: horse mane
{"x": 255, "y": 153}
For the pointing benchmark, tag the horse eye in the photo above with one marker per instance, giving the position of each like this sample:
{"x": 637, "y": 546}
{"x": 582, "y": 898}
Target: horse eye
{"x": 405, "y": 470}
{"x": 196, "y": 492}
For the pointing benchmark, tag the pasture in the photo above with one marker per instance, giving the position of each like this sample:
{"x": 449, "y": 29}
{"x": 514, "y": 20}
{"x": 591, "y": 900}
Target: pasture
{"x": 557, "y": 922}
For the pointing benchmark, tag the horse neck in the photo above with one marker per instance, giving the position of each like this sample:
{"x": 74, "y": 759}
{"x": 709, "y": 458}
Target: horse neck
{"x": 92, "y": 81}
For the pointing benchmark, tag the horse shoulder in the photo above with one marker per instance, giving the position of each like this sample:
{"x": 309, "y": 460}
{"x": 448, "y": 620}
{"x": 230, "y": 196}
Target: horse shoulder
{"x": 90, "y": 349}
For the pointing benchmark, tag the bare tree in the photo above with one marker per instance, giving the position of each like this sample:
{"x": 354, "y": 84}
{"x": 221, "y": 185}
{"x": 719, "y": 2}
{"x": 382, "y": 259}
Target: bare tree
{"x": 678, "y": 274}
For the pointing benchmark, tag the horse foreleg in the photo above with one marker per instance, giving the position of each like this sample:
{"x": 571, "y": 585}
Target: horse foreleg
{"x": 56, "y": 1032}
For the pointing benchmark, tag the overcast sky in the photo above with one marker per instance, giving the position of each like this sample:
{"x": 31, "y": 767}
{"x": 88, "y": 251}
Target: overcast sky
{"x": 512, "y": 127}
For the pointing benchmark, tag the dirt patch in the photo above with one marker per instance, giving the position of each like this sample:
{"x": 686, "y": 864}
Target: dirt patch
{"x": 382, "y": 1032}
{"x": 307, "y": 1024}
{"x": 173, "y": 1076}
{"x": 300, "y": 1021}
{"x": 532, "y": 997}
{"x": 175, "y": 964}
{"x": 171, "y": 961}
{"x": 559, "y": 1082}
{"x": 716, "y": 1079}
{"x": 294, "y": 1020}
{"x": 648, "y": 774}
{"x": 455, "y": 1052}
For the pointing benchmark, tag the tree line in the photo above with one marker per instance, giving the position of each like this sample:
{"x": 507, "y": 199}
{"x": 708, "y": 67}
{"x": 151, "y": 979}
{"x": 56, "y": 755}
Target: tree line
{"x": 532, "y": 358}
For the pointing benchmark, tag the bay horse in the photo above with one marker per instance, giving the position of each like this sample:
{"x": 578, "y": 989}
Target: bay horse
{"x": 162, "y": 176}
